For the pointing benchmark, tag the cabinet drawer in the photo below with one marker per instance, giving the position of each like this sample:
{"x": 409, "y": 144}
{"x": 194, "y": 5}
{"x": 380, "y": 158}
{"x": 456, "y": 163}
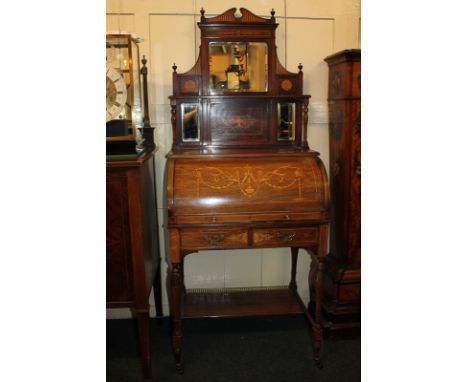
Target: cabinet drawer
{"x": 213, "y": 238}
{"x": 284, "y": 237}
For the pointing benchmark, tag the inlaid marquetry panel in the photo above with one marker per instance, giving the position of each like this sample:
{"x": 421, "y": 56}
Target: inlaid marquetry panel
{"x": 236, "y": 185}
{"x": 286, "y": 85}
{"x": 285, "y": 237}
{"x": 234, "y": 122}
{"x": 213, "y": 238}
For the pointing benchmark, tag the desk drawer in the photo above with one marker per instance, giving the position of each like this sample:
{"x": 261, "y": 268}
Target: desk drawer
{"x": 214, "y": 238}
{"x": 284, "y": 237}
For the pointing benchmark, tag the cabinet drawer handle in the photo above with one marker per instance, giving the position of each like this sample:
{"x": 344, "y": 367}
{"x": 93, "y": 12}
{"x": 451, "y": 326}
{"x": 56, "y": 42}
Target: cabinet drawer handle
{"x": 285, "y": 236}
{"x": 214, "y": 239}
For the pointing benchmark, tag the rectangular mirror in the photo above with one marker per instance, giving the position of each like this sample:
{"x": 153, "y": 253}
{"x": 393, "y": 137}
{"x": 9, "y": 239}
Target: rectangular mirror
{"x": 190, "y": 122}
{"x": 286, "y": 118}
{"x": 238, "y": 66}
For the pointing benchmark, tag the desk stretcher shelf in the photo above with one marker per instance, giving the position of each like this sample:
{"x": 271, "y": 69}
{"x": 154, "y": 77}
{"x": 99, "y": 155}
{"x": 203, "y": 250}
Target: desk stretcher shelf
{"x": 241, "y": 302}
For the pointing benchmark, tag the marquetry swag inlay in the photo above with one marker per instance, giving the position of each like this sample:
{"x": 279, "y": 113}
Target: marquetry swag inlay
{"x": 250, "y": 179}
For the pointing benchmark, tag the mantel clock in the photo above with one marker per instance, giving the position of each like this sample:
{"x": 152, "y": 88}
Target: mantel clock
{"x": 123, "y": 94}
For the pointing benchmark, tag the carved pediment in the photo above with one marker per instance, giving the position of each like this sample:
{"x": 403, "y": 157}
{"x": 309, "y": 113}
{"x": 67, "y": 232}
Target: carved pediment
{"x": 230, "y": 16}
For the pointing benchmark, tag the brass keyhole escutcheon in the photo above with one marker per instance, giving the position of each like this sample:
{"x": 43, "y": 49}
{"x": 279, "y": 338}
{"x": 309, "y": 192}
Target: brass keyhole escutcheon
{"x": 285, "y": 236}
{"x": 214, "y": 239}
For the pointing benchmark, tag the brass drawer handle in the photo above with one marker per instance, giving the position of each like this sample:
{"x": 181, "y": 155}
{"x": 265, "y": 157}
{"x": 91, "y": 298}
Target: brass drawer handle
{"x": 214, "y": 239}
{"x": 285, "y": 236}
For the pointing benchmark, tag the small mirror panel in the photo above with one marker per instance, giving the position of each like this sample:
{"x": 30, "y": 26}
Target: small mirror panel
{"x": 190, "y": 122}
{"x": 238, "y": 66}
{"x": 286, "y": 118}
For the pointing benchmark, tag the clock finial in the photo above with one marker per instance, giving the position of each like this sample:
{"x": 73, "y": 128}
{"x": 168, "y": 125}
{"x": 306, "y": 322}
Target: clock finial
{"x": 174, "y": 67}
{"x": 144, "y": 69}
{"x": 202, "y": 11}
{"x": 272, "y": 14}
{"x": 147, "y": 131}
{"x": 300, "y": 67}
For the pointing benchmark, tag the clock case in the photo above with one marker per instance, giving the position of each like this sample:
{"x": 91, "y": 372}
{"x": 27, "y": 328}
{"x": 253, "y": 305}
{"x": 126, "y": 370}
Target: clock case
{"x": 130, "y": 133}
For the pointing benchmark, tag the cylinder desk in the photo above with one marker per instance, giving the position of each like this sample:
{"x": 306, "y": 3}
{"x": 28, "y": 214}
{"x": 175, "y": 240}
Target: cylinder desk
{"x": 240, "y": 174}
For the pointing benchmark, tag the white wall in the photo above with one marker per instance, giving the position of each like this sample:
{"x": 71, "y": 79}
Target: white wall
{"x": 308, "y": 31}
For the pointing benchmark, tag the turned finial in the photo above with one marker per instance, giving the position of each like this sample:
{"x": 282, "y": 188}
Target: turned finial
{"x": 202, "y": 11}
{"x": 300, "y": 67}
{"x": 144, "y": 69}
{"x": 174, "y": 67}
{"x": 272, "y": 14}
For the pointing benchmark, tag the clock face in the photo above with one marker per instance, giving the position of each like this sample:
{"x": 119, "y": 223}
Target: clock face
{"x": 116, "y": 93}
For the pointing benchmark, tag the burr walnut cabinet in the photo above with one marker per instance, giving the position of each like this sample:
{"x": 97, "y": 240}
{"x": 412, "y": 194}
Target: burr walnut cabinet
{"x": 132, "y": 245}
{"x": 342, "y": 296}
{"x": 240, "y": 174}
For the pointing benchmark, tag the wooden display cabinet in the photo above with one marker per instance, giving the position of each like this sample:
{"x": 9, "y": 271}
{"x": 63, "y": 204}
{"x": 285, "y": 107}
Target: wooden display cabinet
{"x": 132, "y": 245}
{"x": 342, "y": 297}
{"x": 241, "y": 174}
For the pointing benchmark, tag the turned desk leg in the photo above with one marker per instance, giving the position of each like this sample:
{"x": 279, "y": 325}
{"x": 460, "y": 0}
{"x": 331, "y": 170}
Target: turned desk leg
{"x": 142, "y": 317}
{"x": 176, "y": 291}
{"x": 292, "y": 283}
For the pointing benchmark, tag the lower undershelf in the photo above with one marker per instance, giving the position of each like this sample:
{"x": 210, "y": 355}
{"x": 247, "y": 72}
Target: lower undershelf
{"x": 241, "y": 302}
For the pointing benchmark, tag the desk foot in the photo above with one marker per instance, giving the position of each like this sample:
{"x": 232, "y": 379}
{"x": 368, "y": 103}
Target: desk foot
{"x": 180, "y": 369}
{"x": 177, "y": 348}
{"x": 317, "y": 344}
